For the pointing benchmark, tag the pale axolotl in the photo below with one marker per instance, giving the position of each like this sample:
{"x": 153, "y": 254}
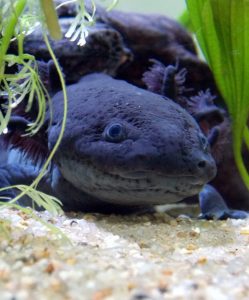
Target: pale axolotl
{"x": 124, "y": 148}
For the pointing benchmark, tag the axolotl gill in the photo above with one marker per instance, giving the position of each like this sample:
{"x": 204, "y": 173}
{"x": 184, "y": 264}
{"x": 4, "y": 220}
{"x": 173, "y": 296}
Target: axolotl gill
{"x": 123, "y": 147}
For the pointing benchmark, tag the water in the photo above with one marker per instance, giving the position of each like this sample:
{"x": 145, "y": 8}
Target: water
{"x": 168, "y": 7}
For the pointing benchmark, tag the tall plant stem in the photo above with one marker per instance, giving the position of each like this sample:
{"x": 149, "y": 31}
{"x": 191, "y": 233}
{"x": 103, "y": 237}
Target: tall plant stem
{"x": 9, "y": 31}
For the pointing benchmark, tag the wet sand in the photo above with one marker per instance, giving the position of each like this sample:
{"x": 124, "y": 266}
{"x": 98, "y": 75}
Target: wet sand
{"x": 124, "y": 257}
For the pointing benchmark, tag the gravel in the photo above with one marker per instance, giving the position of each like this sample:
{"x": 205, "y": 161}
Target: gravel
{"x": 123, "y": 257}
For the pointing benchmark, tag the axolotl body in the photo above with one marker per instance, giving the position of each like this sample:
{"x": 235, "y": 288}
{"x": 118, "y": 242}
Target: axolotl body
{"x": 123, "y": 148}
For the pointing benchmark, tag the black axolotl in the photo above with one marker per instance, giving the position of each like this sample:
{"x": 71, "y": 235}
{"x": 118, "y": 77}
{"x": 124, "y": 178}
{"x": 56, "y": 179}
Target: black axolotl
{"x": 124, "y": 149}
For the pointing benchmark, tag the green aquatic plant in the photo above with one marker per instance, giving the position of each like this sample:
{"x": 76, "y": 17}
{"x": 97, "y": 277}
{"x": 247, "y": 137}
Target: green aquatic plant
{"x": 222, "y": 30}
{"x": 19, "y": 18}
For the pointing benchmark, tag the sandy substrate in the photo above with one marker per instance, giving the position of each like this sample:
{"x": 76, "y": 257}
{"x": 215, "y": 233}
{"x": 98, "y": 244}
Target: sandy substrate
{"x": 124, "y": 257}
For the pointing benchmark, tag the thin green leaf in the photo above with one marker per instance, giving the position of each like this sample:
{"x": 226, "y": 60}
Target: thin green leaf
{"x": 222, "y": 29}
{"x": 51, "y": 19}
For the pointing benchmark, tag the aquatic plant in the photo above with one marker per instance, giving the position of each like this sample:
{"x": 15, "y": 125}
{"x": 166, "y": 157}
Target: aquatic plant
{"x": 222, "y": 30}
{"x": 18, "y": 18}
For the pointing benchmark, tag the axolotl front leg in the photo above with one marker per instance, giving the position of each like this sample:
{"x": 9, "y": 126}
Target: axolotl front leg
{"x": 213, "y": 206}
{"x": 20, "y": 174}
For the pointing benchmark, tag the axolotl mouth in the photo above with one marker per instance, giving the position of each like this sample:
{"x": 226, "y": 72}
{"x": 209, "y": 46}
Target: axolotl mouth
{"x": 130, "y": 188}
{"x": 127, "y": 146}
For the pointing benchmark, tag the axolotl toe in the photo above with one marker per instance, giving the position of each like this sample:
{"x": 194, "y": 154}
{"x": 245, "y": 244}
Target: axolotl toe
{"x": 123, "y": 147}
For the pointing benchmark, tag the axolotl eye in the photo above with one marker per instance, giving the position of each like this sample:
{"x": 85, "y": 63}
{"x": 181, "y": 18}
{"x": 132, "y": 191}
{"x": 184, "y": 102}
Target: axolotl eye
{"x": 115, "y": 132}
{"x": 204, "y": 143}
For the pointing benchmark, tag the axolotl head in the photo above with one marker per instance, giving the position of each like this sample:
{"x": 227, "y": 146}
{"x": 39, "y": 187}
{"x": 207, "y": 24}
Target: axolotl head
{"x": 128, "y": 146}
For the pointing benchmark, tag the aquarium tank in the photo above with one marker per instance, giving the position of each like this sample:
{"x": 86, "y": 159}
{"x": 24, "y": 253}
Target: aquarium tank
{"x": 221, "y": 30}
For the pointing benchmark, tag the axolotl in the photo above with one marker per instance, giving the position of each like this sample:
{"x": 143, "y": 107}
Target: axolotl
{"x": 123, "y": 148}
